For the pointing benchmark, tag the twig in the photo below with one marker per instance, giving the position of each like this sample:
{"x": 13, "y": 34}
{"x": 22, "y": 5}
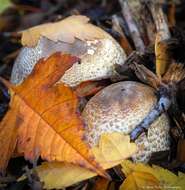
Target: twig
{"x": 163, "y": 34}
{"x": 162, "y": 106}
{"x": 149, "y": 25}
{"x": 171, "y": 14}
{"x": 160, "y": 21}
{"x": 32, "y": 175}
{"x": 123, "y": 41}
{"x": 137, "y": 14}
{"x": 136, "y": 37}
{"x": 166, "y": 92}
{"x": 33, "y": 179}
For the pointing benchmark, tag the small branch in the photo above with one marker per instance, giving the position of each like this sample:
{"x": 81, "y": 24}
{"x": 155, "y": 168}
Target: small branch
{"x": 123, "y": 40}
{"x": 160, "y": 21}
{"x": 148, "y": 21}
{"x": 171, "y": 14}
{"x": 33, "y": 179}
{"x": 136, "y": 37}
{"x": 161, "y": 47}
{"x": 32, "y": 175}
{"x": 161, "y": 106}
{"x": 138, "y": 14}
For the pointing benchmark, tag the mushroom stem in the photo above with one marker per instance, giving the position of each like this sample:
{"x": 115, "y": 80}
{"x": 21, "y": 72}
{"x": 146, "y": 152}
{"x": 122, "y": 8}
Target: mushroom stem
{"x": 161, "y": 106}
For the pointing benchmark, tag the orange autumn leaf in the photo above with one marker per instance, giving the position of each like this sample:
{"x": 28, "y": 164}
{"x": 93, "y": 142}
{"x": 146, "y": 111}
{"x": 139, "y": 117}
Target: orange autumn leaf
{"x": 43, "y": 118}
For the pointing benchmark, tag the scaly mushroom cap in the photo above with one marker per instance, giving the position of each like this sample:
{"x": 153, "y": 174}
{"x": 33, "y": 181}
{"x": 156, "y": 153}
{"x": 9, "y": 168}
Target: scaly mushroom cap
{"x": 98, "y": 54}
{"x": 119, "y": 108}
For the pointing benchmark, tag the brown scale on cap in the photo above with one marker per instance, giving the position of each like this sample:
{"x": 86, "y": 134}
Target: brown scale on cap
{"x": 119, "y": 108}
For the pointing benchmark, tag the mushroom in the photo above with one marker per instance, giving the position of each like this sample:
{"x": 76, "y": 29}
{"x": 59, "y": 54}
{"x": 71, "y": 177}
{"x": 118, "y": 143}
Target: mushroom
{"x": 98, "y": 52}
{"x": 119, "y": 108}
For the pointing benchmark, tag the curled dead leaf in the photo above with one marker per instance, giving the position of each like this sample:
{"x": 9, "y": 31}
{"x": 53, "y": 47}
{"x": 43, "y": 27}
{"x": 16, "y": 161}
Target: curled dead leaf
{"x": 63, "y": 31}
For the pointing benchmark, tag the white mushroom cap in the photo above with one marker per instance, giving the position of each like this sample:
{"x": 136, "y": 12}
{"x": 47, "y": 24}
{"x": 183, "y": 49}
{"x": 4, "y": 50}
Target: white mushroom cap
{"x": 98, "y": 56}
{"x": 97, "y": 63}
{"x": 119, "y": 108}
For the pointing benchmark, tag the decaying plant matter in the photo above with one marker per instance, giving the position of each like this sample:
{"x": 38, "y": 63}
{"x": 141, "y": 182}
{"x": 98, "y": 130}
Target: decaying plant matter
{"x": 167, "y": 86}
{"x": 90, "y": 91}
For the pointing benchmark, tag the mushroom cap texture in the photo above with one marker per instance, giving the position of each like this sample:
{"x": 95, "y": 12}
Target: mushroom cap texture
{"x": 98, "y": 57}
{"x": 119, "y": 108}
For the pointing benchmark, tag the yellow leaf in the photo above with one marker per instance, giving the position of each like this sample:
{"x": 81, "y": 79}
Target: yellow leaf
{"x": 66, "y": 30}
{"x": 164, "y": 175}
{"x": 181, "y": 175}
{"x": 113, "y": 148}
{"x": 59, "y": 175}
{"x": 160, "y": 173}
{"x": 127, "y": 167}
{"x": 139, "y": 181}
{"x": 180, "y": 183}
{"x": 165, "y": 178}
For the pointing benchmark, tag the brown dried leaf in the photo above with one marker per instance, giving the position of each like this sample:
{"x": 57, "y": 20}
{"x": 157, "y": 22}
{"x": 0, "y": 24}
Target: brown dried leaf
{"x": 65, "y": 30}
